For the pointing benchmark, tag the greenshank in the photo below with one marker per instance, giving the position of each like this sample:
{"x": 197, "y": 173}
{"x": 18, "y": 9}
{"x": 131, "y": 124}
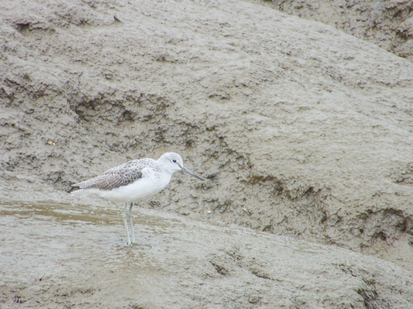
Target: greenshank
{"x": 134, "y": 181}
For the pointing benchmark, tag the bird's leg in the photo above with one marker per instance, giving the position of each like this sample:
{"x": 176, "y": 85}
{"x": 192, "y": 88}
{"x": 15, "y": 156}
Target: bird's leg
{"x": 126, "y": 222}
{"x": 131, "y": 223}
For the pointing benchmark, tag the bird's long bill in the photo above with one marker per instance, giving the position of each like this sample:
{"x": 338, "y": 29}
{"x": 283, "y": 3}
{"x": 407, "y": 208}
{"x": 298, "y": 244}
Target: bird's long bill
{"x": 190, "y": 173}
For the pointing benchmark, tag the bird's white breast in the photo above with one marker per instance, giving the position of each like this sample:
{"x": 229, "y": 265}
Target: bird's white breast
{"x": 138, "y": 190}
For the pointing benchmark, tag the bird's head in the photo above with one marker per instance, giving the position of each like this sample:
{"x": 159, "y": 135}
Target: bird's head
{"x": 174, "y": 163}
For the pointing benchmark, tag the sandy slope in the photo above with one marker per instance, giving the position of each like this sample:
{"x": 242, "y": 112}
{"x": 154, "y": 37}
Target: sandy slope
{"x": 302, "y": 131}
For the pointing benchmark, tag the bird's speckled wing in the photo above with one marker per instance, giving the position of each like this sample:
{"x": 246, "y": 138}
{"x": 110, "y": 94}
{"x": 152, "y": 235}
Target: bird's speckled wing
{"x": 119, "y": 176}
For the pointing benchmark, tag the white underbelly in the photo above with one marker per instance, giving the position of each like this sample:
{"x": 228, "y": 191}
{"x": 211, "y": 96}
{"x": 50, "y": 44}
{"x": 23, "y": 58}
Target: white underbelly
{"x": 134, "y": 192}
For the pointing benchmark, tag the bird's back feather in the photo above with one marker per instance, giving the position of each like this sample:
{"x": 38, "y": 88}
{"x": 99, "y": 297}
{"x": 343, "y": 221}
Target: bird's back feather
{"x": 116, "y": 177}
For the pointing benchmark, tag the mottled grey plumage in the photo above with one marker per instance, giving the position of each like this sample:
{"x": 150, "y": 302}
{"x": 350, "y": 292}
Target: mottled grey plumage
{"x": 121, "y": 175}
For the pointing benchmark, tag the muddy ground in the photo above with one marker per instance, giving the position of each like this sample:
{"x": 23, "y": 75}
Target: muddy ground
{"x": 63, "y": 255}
{"x": 303, "y": 132}
{"x": 387, "y": 24}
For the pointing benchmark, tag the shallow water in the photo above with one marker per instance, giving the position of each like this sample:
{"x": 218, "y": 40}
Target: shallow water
{"x": 57, "y": 253}
{"x": 64, "y": 245}
{"x": 62, "y": 255}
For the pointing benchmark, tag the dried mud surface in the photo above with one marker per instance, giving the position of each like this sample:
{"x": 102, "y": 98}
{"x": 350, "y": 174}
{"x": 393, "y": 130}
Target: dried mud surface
{"x": 388, "y": 24}
{"x": 301, "y": 130}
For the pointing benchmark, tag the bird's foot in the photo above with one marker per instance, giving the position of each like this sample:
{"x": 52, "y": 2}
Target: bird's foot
{"x": 130, "y": 242}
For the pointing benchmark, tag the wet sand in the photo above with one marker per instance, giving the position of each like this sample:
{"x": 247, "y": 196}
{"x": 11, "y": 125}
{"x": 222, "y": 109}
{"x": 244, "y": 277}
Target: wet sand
{"x": 63, "y": 255}
{"x": 301, "y": 130}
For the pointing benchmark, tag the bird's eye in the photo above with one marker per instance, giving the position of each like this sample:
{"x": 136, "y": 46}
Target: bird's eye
{"x": 174, "y": 161}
